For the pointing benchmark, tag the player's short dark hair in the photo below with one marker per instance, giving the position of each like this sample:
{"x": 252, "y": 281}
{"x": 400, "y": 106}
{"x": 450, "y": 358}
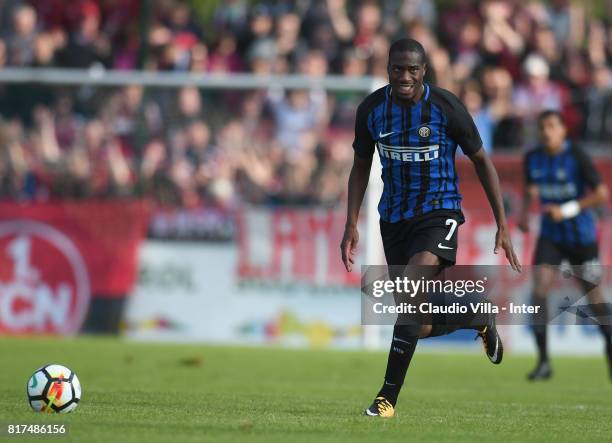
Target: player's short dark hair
{"x": 550, "y": 113}
{"x": 407, "y": 44}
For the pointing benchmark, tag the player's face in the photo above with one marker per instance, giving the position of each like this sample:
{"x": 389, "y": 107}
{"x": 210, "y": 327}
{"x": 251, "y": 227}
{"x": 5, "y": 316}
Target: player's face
{"x": 406, "y": 71}
{"x": 552, "y": 132}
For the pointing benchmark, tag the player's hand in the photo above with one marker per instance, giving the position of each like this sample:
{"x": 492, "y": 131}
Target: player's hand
{"x": 554, "y": 212}
{"x": 502, "y": 241}
{"x": 523, "y": 223}
{"x": 348, "y": 246}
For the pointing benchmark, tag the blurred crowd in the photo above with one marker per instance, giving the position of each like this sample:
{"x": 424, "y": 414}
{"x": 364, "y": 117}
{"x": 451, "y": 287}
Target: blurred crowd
{"x": 506, "y": 60}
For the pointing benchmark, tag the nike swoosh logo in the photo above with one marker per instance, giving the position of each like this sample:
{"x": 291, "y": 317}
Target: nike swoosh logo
{"x": 381, "y": 135}
{"x": 403, "y": 341}
{"x": 441, "y": 246}
{"x": 494, "y": 356}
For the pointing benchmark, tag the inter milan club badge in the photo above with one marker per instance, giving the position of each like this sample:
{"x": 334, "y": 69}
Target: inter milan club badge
{"x": 424, "y": 131}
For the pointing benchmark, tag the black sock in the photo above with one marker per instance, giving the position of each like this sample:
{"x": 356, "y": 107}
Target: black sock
{"x": 540, "y": 321}
{"x": 602, "y": 313}
{"x": 541, "y": 339}
{"x": 606, "y": 332}
{"x": 607, "y": 335}
{"x": 403, "y": 345}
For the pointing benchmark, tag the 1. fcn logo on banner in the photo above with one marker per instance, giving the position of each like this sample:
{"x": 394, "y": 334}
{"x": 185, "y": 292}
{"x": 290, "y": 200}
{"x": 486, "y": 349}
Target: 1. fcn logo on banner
{"x": 44, "y": 284}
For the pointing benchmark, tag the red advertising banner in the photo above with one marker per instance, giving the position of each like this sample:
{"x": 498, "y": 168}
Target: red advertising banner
{"x": 293, "y": 246}
{"x": 302, "y": 246}
{"x": 55, "y": 256}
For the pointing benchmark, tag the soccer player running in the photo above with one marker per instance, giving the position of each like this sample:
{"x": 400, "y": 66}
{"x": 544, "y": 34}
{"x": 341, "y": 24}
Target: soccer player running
{"x": 560, "y": 173}
{"x": 417, "y": 128}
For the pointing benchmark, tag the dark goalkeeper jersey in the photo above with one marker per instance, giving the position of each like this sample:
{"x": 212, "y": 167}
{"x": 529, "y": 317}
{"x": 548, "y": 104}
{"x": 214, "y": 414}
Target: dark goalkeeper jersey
{"x": 416, "y": 145}
{"x": 561, "y": 178}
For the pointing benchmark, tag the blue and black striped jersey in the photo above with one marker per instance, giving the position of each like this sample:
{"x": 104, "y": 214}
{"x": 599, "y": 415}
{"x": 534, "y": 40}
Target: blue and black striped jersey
{"x": 560, "y": 178}
{"x": 416, "y": 145}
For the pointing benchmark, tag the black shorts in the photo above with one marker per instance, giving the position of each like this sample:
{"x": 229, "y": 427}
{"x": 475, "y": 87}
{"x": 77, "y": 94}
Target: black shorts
{"x": 436, "y": 232}
{"x": 551, "y": 253}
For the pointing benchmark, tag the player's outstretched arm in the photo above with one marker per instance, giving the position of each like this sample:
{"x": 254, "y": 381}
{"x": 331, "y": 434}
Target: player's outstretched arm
{"x": 357, "y": 184}
{"x": 599, "y": 196}
{"x": 570, "y": 209}
{"x": 490, "y": 183}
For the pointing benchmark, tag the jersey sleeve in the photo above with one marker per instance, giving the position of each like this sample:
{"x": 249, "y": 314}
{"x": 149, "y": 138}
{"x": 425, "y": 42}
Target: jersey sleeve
{"x": 363, "y": 143}
{"x": 462, "y": 127}
{"x": 586, "y": 167}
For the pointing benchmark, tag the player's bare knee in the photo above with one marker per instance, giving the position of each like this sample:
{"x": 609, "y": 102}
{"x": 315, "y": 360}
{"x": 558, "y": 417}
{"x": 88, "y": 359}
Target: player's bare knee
{"x": 425, "y": 331}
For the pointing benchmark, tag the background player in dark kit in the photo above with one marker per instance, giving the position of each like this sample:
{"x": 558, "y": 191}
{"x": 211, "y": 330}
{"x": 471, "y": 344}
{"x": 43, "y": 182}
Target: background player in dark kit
{"x": 560, "y": 173}
{"x": 417, "y": 128}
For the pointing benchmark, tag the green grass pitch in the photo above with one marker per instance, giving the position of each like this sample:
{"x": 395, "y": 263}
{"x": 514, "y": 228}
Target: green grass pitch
{"x": 188, "y": 393}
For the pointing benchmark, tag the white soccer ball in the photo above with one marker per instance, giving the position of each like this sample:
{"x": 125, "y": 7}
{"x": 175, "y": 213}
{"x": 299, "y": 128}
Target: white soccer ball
{"x": 54, "y": 388}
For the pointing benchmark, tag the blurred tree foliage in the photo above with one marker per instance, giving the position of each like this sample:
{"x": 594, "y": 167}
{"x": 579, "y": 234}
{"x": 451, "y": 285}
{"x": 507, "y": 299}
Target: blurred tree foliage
{"x": 204, "y": 11}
